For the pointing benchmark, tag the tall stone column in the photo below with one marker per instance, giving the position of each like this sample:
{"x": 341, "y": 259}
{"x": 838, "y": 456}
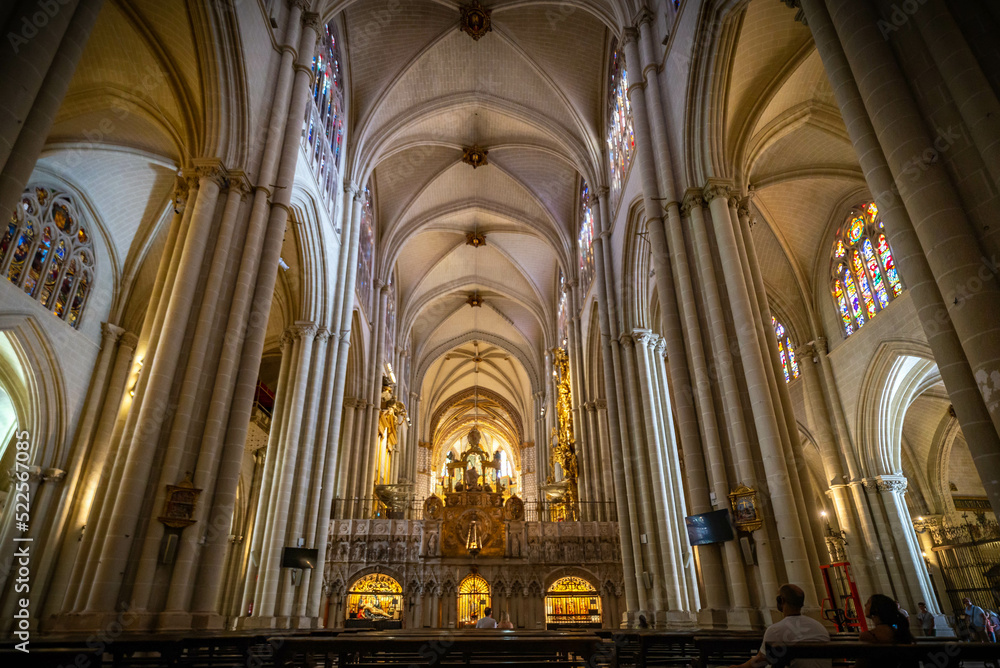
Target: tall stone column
{"x": 99, "y": 394}
{"x": 639, "y": 493}
{"x": 967, "y": 283}
{"x": 99, "y": 462}
{"x": 979, "y": 427}
{"x": 277, "y": 510}
{"x": 612, "y": 385}
{"x": 783, "y": 503}
{"x": 914, "y": 580}
{"x": 24, "y": 127}
{"x": 670, "y": 266}
{"x": 153, "y": 409}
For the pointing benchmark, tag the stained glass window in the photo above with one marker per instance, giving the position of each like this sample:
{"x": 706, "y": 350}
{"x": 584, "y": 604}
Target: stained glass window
{"x": 366, "y": 252}
{"x": 47, "y": 252}
{"x": 562, "y": 322}
{"x": 863, "y": 273}
{"x": 390, "y": 322}
{"x": 585, "y": 241}
{"x": 786, "y": 351}
{"x": 621, "y": 137}
{"x": 323, "y": 132}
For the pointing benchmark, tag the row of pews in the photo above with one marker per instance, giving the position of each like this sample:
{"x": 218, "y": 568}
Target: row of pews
{"x": 366, "y": 648}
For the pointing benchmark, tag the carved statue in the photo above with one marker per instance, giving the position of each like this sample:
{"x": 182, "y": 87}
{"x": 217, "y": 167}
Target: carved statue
{"x": 515, "y": 545}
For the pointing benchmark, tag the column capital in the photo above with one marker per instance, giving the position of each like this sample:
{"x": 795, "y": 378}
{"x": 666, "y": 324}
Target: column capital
{"x": 800, "y": 15}
{"x": 642, "y": 337}
{"x": 111, "y": 332}
{"x": 181, "y": 191}
{"x": 302, "y": 330}
{"x": 601, "y": 404}
{"x": 630, "y": 35}
{"x": 627, "y": 340}
{"x": 714, "y": 190}
{"x": 322, "y": 334}
{"x": 52, "y": 475}
{"x": 599, "y": 192}
{"x": 693, "y": 197}
{"x": 351, "y": 187}
{"x": 128, "y": 340}
{"x": 311, "y": 20}
{"x": 891, "y": 483}
{"x": 303, "y": 5}
{"x": 211, "y": 169}
{"x": 287, "y": 337}
{"x": 239, "y": 181}
{"x": 644, "y": 16}
{"x": 350, "y": 402}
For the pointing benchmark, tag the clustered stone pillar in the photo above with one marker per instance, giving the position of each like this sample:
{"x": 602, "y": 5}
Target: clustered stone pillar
{"x": 174, "y": 577}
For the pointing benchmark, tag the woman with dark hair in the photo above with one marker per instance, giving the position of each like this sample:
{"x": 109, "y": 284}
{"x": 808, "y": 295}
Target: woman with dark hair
{"x": 890, "y": 627}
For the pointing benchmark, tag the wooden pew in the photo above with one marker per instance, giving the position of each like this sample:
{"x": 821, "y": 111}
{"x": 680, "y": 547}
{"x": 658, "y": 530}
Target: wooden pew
{"x": 483, "y": 648}
{"x": 928, "y": 654}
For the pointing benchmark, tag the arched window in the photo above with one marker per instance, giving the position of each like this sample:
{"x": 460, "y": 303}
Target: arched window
{"x": 621, "y": 138}
{"x": 562, "y": 319}
{"x": 473, "y": 599}
{"x": 366, "y": 252}
{"x": 585, "y": 240}
{"x": 863, "y": 273}
{"x": 47, "y": 251}
{"x": 390, "y": 320}
{"x": 572, "y": 602}
{"x": 324, "y": 124}
{"x": 374, "y": 597}
{"x": 786, "y": 351}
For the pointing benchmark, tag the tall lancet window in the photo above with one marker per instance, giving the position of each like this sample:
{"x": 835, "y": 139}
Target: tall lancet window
{"x": 863, "y": 273}
{"x": 562, "y": 318}
{"x": 621, "y": 138}
{"x": 390, "y": 321}
{"x": 324, "y": 123}
{"x": 585, "y": 240}
{"x": 47, "y": 251}
{"x": 366, "y": 252}
{"x": 786, "y": 351}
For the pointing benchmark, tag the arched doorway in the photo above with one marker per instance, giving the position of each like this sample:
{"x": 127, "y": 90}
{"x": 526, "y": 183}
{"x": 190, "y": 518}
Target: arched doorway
{"x": 473, "y": 599}
{"x": 376, "y": 600}
{"x": 572, "y": 602}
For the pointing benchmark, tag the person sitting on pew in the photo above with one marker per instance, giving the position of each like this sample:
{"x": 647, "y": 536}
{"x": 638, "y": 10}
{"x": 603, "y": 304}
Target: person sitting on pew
{"x": 890, "y": 627}
{"x": 793, "y": 628}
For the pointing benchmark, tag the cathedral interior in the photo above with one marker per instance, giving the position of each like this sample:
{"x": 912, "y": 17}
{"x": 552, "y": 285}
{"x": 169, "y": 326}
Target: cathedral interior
{"x": 344, "y": 314}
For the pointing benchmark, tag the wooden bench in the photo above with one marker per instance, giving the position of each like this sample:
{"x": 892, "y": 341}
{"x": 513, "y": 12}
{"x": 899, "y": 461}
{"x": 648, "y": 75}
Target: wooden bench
{"x": 483, "y": 648}
{"x": 927, "y": 654}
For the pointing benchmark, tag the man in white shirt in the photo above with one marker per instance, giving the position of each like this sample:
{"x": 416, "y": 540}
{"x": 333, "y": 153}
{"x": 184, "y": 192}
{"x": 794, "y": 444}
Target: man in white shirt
{"x": 794, "y": 628}
{"x": 487, "y": 622}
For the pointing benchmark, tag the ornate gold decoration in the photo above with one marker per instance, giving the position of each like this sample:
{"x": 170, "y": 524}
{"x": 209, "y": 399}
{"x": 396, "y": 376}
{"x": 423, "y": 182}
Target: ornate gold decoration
{"x": 476, "y": 20}
{"x": 180, "y": 504}
{"x": 433, "y": 507}
{"x": 564, "y": 451}
{"x": 375, "y": 596}
{"x": 744, "y": 502}
{"x": 475, "y": 239}
{"x": 475, "y": 156}
{"x": 472, "y": 502}
{"x": 475, "y": 300}
{"x": 513, "y": 509}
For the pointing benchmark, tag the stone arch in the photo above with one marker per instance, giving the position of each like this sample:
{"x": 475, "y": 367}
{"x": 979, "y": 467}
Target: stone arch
{"x": 37, "y": 387}
{"x": 898, "y": 373}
